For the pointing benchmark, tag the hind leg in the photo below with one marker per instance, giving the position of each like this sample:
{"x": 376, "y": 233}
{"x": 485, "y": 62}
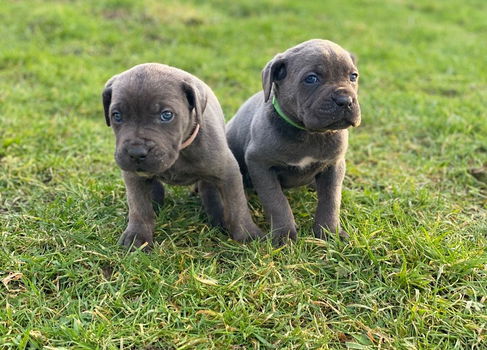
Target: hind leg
{"x": 158, "y": 194}
{"x": 212, "y": 203}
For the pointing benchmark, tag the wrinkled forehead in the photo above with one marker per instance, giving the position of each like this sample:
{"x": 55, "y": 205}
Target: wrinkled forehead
{"x": 324, "y": 56}
{"x": 146, "y": 88}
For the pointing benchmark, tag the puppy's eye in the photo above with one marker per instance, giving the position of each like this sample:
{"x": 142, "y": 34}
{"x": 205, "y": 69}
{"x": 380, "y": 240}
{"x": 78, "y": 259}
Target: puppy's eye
{"x": 166, "y": 116}
{"x": 311, "y": 79}
{"x": 353, "y": 77}
{"x": 117, "y": 116}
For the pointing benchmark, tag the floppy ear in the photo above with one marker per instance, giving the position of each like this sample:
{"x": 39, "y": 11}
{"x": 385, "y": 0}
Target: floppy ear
{"x": 107, "y": 98}
{"x": 274, "y": 70}
{"x": 195, "y": 93}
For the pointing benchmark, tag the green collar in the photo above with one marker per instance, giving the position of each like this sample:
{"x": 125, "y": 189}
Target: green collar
{"x": 284, "y": 116}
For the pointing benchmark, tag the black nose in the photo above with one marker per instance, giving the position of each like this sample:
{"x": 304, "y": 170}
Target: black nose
{"x": 343, "y": 100}
{"x": 137, "y": 152}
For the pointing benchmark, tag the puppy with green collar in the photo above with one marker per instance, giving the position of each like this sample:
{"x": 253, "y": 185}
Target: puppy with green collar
{"x": 294, "y": 133}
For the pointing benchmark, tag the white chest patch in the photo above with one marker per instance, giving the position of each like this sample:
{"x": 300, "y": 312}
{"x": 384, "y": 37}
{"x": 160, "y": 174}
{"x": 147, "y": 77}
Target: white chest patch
{"x": 305, "y": 162}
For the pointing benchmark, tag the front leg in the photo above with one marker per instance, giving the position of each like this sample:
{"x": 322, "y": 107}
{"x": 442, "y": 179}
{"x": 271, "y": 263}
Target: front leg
{"x": 141, "y": 213}
{"x": 329, "y": 190}
{"x": 275, "y": 204}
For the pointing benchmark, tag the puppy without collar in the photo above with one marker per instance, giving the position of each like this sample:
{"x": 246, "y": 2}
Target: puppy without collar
{"x": 294, "y": 132}
{"x": 169, "y": 127}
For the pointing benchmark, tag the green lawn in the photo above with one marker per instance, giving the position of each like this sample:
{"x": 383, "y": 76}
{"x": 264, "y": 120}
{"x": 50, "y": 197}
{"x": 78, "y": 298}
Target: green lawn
{"x": 413, "y": 275}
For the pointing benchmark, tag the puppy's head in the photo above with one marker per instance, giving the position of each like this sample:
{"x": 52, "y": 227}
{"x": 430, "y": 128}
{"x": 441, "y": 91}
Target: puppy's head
{"x": 316, "y": 82}
{"x": 152, "y": 108}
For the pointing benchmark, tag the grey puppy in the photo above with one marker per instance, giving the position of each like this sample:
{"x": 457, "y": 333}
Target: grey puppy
{"x": 169, "y": 127}
{"x": 295, "y": 133}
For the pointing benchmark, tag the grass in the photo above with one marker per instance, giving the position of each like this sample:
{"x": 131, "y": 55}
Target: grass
{"x": 413, "y": 275}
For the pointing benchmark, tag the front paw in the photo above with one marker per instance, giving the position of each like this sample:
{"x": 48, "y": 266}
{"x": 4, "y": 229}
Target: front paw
{"x": 283, "y": 235}
{"x": 246, "y": 232}
{"x": 133, "y": 238}
{"x": 323, "y": 233}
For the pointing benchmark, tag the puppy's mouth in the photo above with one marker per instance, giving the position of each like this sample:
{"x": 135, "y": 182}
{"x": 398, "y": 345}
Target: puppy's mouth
{"x": 336, "y": 125}
{"x": 341, "y": 124}
{"x": 337, "y": 120}
{"x": 140, "y": 169}
{"x": 146, "y": 168}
